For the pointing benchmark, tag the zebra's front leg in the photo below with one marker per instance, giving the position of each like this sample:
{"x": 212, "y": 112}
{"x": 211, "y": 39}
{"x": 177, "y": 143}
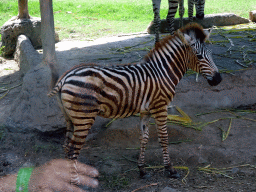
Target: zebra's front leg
{"x": 144, "y": 135}
{"x": 161, "y": 120}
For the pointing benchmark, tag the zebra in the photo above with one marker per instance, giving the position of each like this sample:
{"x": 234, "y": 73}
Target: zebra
{"x": 173, "y": 5}
{"x": 148, "y": 87}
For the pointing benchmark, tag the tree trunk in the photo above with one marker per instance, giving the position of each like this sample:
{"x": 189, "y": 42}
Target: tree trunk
{"x": 48, "y": 38}
{"x": 23, "y": 9}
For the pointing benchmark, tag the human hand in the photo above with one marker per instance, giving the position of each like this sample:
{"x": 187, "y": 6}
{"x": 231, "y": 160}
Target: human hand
{"x": 55, "y": 176}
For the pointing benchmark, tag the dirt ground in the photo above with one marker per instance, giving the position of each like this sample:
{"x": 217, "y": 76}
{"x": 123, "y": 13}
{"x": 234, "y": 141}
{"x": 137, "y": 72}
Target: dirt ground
{"x": 216, "y": 152}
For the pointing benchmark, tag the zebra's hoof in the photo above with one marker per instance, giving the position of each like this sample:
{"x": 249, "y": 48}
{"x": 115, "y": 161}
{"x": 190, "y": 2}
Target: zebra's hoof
{"x": 172, "y": 174}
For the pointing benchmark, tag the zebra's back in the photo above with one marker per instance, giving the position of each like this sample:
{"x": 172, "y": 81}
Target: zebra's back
{"x": 109, "y": 92}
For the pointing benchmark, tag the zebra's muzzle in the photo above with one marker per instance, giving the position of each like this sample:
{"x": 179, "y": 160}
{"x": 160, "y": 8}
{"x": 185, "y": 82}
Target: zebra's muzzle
{"x": 216, "y": 79}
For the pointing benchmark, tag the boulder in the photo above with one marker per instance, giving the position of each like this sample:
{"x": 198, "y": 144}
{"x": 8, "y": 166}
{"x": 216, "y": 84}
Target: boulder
{"x": 25, "y": 55}
{"x": 15, "y": 27}
{"x": 32, "y": 109}
{"x": 252, "y": 16}
{"x": 222, "y": 19}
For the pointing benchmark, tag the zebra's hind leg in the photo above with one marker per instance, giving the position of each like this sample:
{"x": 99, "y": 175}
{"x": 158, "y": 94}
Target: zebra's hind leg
{"x": 69, "y": 133}
{"x": 144, "y": 135}
{"x": 161, "y": 119}
{"x": 76, "y": 138}
{"x": 81, "y": 127}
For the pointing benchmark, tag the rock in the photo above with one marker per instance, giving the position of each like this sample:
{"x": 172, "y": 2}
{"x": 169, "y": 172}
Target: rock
{"x": 252, "y": 16}
{"x": 14, "y": 27}
{"x": 169, "y": 189}
{"x": 25, "y": 55}
{"x": 32, "y": 108}
{"x": 8, "y": 162}
{"x": 223, "y": 19}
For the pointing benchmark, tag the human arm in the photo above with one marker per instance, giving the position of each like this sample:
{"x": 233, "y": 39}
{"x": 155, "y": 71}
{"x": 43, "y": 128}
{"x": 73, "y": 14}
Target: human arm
{"x": 53, "y": 176}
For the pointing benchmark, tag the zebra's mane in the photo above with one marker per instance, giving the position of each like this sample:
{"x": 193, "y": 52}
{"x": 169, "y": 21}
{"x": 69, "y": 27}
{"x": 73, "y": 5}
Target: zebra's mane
{"x": 191, "y": 29}
{"x": 196, "y": 29}
{"x": 159, "y": 46}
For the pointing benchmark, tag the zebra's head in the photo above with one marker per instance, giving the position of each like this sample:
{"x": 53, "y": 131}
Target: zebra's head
{"x": 195, "y": 37}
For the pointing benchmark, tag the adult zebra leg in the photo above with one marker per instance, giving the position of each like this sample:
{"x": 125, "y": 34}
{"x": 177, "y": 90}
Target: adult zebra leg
{"x": 156, "y": 10}
{"x": 181, "y": 12}
{"x": 200, "y": 9}
{"x": 161, "y": 120}
{"x": 144, "y": 135}
{"x": 190, "y": 10}
{"x": 173, "y": 6}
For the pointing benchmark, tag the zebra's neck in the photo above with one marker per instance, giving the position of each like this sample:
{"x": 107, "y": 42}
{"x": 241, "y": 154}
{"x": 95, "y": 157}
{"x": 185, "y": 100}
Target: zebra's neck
{"x": 169, "y": 59}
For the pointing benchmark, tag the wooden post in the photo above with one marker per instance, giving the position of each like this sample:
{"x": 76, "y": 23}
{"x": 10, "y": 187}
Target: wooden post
{"x": 23, "y": 9}
{"x": 47, "y": 32}
{"x": 48, "y": 39}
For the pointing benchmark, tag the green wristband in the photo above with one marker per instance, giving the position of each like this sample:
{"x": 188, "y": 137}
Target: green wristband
{"x": 23, "y": 179}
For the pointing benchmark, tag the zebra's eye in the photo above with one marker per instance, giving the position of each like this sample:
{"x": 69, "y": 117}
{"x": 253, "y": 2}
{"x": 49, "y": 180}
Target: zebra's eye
{"x": 199, "y": 56}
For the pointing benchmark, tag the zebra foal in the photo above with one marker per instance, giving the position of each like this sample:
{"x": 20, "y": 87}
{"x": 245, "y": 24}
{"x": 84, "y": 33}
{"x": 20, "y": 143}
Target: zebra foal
{"x": 146, "y": 88}
{"x": 173, "y": 5}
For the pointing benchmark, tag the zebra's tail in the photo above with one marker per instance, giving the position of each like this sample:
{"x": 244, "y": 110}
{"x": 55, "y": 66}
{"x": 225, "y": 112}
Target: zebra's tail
{"x": 53, "y": 91}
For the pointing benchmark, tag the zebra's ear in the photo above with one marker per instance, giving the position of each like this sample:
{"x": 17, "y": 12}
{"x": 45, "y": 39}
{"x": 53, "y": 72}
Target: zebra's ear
{"x": 207, "y": 33}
